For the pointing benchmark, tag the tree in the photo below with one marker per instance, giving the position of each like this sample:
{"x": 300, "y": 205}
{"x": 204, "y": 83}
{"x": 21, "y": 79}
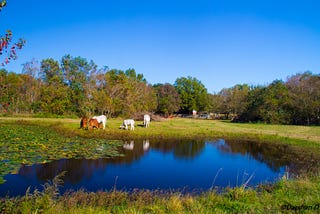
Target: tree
{"x": 168, "y": 99}
{"x": 13, "y": 92}
{"x": 231, "y": 101}
{"x": 239, "y": 94}
{"x": 125, "y": 93}
{"x": 275, "y": 106}
{"x": 267, "y": 104}
{"x": 32, "y": 86}
{"x": 76, "y": 71}
{"x": 193, "y": 94}
{"x": 304, "y": 92}
{"x": 55, "y": 96}
{"x": 253, "y": 105}
{"x": 216, "y": 103}
{"x": 4, "y": 93}
{"x": 7, "y": 48}
{"x": 50, "y": 72}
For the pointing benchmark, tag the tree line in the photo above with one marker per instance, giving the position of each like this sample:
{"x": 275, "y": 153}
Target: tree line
{"x": 76, "y": 86}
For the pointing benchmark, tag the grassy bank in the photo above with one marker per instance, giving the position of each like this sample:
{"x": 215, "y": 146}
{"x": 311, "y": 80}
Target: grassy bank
{"x": 180, "y": 128}
{"x": 38, "y": 140}
{"x": 302, "y": 195}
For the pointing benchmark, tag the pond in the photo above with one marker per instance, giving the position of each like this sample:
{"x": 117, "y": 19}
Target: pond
{"x": 168, "y": 165}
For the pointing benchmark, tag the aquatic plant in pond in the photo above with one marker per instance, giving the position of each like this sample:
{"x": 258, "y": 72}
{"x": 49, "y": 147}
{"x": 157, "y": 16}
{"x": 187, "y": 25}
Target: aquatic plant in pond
{"x": 163, "y": 164}
{"x": 26, "y": 143}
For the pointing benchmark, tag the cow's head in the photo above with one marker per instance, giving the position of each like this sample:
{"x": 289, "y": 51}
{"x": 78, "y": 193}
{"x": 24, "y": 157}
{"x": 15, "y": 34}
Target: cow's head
{"x": 84, "y": 123}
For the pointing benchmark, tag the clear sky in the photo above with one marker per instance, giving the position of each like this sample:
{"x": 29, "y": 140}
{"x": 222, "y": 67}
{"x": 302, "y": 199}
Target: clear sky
{"x": 221, "y": 43}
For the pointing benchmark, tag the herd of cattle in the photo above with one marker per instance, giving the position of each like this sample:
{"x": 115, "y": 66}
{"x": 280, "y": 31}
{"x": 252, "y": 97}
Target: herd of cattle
{"x": 101, "y": 121}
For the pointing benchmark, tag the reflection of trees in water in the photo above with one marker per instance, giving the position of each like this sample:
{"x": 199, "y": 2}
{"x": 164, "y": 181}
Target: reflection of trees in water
{"x": 181, "y": 149}
{"x": 275, "y": 156}
{"x": 76, "y": 169}
{"x": 189, "y": 150}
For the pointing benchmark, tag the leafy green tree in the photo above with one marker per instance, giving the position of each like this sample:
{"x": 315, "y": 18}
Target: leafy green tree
{"x": 132, "y": 75}
{"x": 239, "y": 95}
{"x": 275, "y": 106}
{"x": 76, "y": 71}
{"x": 231, "y": 101}
{"x": 304, "y": 92}
{"x": 96, "y": 97}
{"x": 168, "y": 99}
{"x": 126, "y": 93}
{"x": 267, "y": 104}
{"x": 54, "y": 100}
{"x": 116, "y": 89}
{"x": 54, "y": 96}
{"x": 216, "y": 103}
{"x": 193, "y": 94}
{"x": 4, "y": 91}
{"x": 50, "y": 72}
{"x": 224, "y": 96}
{"x": 13, "y": 92}
{"x": 255, "y": 100}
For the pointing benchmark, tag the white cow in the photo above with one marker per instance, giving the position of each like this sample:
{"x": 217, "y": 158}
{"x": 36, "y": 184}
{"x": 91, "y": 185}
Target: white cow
{"x": 101, "y": 119}
{"x": 126, "y": 123}
{"x": 146, "y": 120}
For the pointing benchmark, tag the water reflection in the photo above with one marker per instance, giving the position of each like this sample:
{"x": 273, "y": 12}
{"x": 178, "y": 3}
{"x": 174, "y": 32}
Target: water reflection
{"x": 170, "y": 164}
{"x": 275, "y": 156}
{"x": 130, "y": 145}
{"x": 145, "y": 145}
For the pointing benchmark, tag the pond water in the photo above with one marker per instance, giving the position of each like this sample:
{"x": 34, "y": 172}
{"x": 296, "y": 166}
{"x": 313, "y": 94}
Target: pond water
{"x": 185, "y": 166}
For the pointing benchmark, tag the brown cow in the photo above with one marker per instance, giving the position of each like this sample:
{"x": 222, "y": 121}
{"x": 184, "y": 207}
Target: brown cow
{"x": 84, "y": 123}
{"x": 93, "y": 123}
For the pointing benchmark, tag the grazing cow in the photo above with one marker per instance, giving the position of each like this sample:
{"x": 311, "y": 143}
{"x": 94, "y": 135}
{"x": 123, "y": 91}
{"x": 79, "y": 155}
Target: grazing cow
{"x": 101, "y": 119}
{"x": 146, "y": 120}
{"x": 126, "y": 123}
{"x": 93, "y": 123}
{"x": 84, "y": 123}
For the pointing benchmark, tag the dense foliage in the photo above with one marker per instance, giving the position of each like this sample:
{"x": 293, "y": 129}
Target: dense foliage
{"x": 296, "y": 101}
{"x": 193, "y": 94}
{"x": 76, "y": 86}
{"x": 168, "y": 99}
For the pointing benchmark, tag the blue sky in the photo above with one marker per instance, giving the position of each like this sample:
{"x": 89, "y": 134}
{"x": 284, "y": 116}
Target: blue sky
{"x": 221, "y": 43}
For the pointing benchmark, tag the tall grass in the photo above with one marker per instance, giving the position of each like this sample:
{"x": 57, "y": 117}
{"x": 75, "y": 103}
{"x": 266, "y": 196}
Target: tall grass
{"x": 182, "y": 128}
{"x": 285, "y": 196}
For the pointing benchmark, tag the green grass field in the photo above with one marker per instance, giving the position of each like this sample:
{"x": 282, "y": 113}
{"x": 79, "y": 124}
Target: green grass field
{"x": 37, "y": 140}
{"x": 189, "y": 128}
